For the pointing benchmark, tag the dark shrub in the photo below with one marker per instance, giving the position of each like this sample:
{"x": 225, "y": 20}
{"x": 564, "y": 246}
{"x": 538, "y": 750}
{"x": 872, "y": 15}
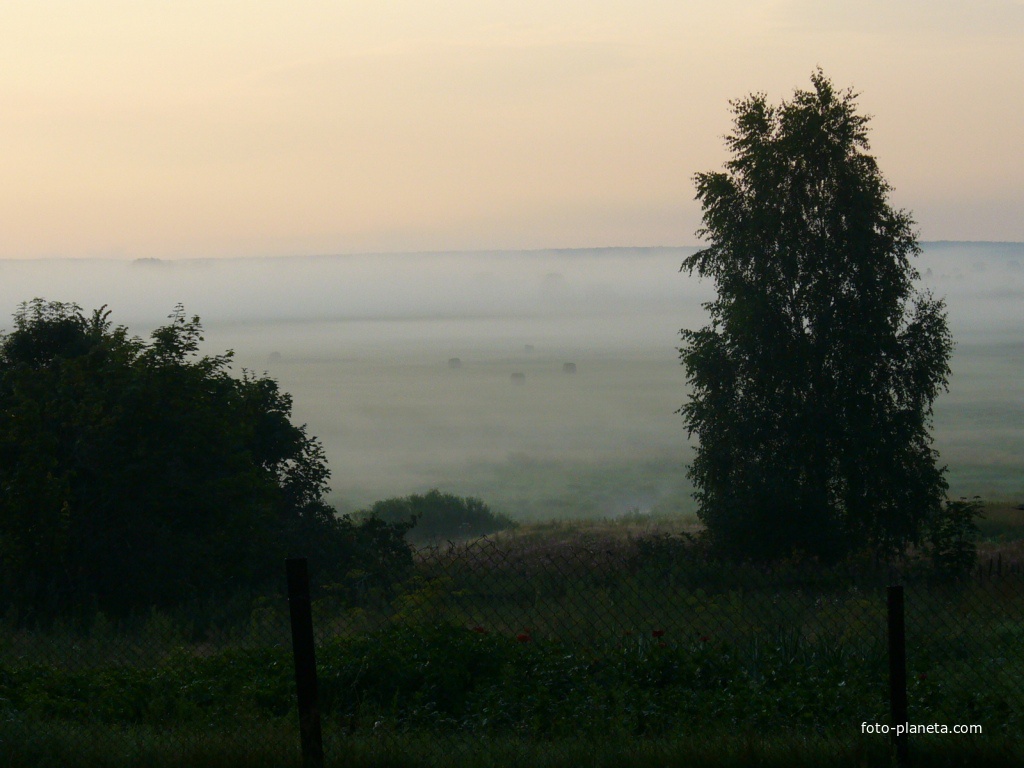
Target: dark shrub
{"x": 441, "y": 515}
{"x": 136, "y": 474}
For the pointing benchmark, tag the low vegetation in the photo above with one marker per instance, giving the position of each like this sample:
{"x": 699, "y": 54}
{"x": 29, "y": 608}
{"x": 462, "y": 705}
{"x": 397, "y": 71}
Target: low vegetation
{"x": 436, "y": 515}
{"x": 617, "y": 637}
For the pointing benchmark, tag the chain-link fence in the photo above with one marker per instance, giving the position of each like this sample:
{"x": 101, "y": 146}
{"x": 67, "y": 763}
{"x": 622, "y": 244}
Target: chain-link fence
{"x": 557, "y": 648}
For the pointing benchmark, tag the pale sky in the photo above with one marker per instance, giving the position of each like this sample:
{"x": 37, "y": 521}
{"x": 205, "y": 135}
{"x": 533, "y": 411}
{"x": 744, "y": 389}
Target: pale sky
{"x": 260, "y": 128}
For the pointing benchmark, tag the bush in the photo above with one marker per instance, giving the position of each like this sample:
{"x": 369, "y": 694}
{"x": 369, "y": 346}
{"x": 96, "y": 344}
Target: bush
{"x": 441, "y": 515}
{"x": 138, "y": 474}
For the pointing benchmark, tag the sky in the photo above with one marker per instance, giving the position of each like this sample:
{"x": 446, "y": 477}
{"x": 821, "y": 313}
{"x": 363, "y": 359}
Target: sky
{"x": 143, "y": 129}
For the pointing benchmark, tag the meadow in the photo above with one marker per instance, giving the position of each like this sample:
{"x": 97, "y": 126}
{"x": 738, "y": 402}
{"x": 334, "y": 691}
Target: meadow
{"x": 605, "y": 440}
{"x": 612, "y": 643}
{"x": 363, "y": 343}
{"x": 600, "y": 442}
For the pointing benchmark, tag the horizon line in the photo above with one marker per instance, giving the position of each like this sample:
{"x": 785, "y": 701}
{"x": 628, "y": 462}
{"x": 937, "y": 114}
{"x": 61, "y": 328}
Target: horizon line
{"x": 143, "y": 260}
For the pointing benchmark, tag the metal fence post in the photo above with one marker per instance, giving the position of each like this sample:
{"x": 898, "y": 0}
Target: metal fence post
{"x": 898, "y": 671}
{"x": 305, "y": 662}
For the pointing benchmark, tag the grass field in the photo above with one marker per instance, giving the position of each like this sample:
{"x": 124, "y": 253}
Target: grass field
{"x": 77, "y": 747}
{"x": 561, "y": 643}
{"x": 597, "y": 443}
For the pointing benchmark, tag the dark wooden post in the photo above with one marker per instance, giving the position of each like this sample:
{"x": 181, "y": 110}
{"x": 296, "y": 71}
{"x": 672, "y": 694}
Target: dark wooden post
{"x": 305, "y": 662}
{"x": 898, "y": 671}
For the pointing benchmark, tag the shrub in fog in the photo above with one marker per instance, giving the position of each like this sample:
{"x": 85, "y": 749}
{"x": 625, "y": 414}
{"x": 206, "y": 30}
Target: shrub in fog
{"x": 440, "y": 515}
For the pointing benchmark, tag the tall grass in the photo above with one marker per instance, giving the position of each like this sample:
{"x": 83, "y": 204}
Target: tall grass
{"x": 78, "y": 747}
{"x": 614, "y": 644}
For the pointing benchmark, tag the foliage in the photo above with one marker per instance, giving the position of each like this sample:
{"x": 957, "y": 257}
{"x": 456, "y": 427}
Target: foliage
{"x": 953, "y": 537}
{"x": 812, "y": 386}
{"x": 142, "y": 473}
{"x": 206, "y": 746}
{"x": 444, "y": 680}
{"x": 441, "y": 515}
{"x": 777, "y": 649}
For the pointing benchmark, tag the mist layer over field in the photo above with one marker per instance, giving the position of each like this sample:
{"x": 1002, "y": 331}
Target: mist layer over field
{"x": 366, "y": 345}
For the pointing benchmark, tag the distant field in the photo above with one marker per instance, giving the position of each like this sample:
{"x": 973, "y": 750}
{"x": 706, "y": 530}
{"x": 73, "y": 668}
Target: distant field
{"x": 363, "y": 344}
{"x": 978, "y": 423}
{"x": 597, "y": 442}
{"x": 602, "y": 441}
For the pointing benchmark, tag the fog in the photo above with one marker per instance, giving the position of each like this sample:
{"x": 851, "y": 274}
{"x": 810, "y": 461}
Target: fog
{"x": 364, "y": 344}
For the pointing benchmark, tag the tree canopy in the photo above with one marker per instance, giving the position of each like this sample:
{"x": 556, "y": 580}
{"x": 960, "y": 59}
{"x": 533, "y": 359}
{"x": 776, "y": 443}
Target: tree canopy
{"x": 813, "y": 383}
{"x": 138, "y": 473}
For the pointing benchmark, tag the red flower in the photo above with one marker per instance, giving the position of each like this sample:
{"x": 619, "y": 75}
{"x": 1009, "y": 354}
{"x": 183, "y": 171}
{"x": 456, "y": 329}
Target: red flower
{"x": 479, "y": 630}
{"x": 704, "y": 638}
{"x": 663, "y": 645}
{"x": 658, "y": 633}
{"x": 922, "y": 676}
{"x": 523, "y": 637}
